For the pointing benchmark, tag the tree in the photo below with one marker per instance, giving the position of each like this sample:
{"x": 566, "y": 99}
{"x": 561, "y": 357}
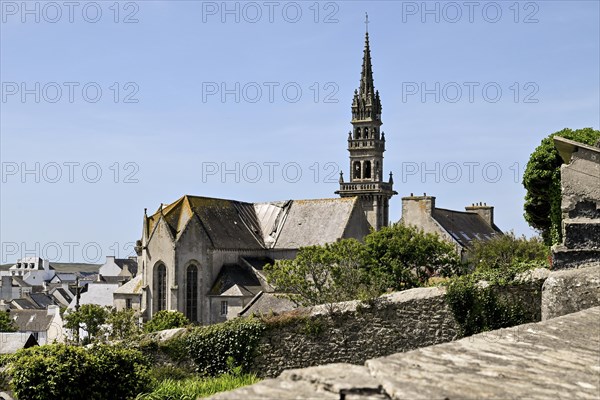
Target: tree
{"x": 122, "y": 325}
{"x": 408, "y": 257}
{"x": 89, "y": 317}
{"x": 6, "y": 323}
{"x": 325, "y": 274}
{"x": 542, "y": 182}
{"x": 505, "y": 251}
{"x": 166, "y": 319}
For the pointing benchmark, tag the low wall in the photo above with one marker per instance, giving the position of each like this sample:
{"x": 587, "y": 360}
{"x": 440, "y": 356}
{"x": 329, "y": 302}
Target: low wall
{"x": 402, "y": 321}
{"x": 399, "y": 322}
{"x": 356, "y": 332}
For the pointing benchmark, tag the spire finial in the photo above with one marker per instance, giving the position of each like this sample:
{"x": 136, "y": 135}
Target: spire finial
{"x": 367, "y": 21}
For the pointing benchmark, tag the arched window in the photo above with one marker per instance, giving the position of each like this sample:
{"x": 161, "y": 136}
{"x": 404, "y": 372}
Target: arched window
{"x": 377, "y": 171}
{"x": 366, "y": 133}
{"x": 356, "y": 169}
{"x": 160, "y": 287}
{"x": 367, "y": 173}
{"x": 357, "y": 133}
{"x": 191, "y": 293}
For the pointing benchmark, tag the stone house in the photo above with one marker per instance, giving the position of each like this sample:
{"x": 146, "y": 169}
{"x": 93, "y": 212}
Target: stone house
{"x": 457, "y": 227}
{"x": 129, "y": 296}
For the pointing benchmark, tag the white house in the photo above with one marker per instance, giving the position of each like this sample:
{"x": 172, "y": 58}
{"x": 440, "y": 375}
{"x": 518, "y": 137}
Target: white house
{"x": 33, "y": 270}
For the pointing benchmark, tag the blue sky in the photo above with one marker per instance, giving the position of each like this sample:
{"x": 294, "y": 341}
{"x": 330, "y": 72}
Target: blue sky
{"x": 159, "y": 99}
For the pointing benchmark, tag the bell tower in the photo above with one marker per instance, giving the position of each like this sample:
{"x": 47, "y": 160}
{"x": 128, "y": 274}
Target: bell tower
{"x": 366, "y": 144}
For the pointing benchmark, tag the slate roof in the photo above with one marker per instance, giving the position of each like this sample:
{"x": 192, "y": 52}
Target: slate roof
{"x": 463, "y": 226}
{"x": 312, "y": 222}
{"x": 42, "y": 299}
{"x": 11, "y": 342}
{"x": 131, "y": 264}
{"x": 32, "y": 320}
{"x": 234, "y": 280}
{"x": 231, "y": 224}
{"x": 258, "y": 263}
{"x": 25, "y": 304}
{"x": 66, "y": 277}
{"x": 228, "y": 223}
{"x": 134, "y": 286}
{"x": 267, "y": 303}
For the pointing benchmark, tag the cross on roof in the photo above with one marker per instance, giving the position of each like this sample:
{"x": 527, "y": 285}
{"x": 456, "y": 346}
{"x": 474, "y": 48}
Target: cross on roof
{"x": 367, "y": 21}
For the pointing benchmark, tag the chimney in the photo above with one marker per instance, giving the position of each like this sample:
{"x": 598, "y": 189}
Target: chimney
{"x": 417, "y": 209}
{"x": 486, "y": 212}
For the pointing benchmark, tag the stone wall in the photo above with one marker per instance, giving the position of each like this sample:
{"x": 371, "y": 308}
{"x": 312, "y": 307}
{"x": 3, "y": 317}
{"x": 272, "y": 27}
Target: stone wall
{"x": 355, "y": 332}
{"x": 569, "y": 291}
{"x": 400, "y": 322}
{"x": 554, "y": 359}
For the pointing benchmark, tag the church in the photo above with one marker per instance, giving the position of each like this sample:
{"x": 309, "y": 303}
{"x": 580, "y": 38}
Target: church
{"x": 205, "y": 256}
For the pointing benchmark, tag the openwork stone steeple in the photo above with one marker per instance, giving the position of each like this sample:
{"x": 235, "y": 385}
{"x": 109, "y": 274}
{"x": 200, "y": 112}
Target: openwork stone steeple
{"x": 366, "y": 144}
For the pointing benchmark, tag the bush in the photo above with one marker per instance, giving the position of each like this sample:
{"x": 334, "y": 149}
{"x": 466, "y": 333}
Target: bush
{"x": 217, "y": 348}
{"x": 72, "y": 373}
{"x": 479, "y": 309}
{"x": 407, "y": 256}
{"x": 165, "y": 319}
{"x": 504, "y": 251}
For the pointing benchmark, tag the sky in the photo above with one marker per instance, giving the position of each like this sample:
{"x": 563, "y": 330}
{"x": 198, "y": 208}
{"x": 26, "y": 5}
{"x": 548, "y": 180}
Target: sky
{"x": 108, "y": 108}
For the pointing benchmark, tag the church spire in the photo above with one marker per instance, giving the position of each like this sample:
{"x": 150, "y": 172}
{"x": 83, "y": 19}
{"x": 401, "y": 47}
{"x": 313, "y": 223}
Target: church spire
{"x": 366, "y": 76}
{"x": 366, "y": 104}
{"x": 366, "y": 145}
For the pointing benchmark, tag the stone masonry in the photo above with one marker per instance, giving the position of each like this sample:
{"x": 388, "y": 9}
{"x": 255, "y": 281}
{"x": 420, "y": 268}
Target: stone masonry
{"x": 558, "y": 358}
{"x": 580, "y": 205}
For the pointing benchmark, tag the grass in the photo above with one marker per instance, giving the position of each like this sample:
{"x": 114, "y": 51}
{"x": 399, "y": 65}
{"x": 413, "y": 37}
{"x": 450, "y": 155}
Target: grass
{"x": 192, "y": 388}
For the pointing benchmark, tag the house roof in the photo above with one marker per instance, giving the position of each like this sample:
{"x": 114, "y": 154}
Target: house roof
{"x": 42, "y": 299}
{"x": 66, "y": 277}
{"x": 25, "y": 304}
{"x": 464, "y": 226}
{"x": 11, "y": 342}
{"x": 134, "y": 286}
{"x": 32, "y": 320}
{"x": 234, "y": 280}
{"x": 130, "y": 263}
{"x": 231, "y": 224}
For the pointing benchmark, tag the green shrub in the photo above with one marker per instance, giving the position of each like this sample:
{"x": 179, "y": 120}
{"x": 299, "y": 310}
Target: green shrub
{"x": 478, "y": 309}
{"x": 211, "y": 346}
{"x": 72, "y": 373}
{"x": 166, "y": 319}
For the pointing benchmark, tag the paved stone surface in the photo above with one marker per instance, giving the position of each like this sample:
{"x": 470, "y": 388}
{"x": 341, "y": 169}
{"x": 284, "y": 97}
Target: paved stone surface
{"x": 569, "y": 291}
{"x": 554, "y": 359}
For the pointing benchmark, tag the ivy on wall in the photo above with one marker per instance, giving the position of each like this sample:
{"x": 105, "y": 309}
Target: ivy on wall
{"x": 479, "y": 305}
{"x": 215, "y": 348}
